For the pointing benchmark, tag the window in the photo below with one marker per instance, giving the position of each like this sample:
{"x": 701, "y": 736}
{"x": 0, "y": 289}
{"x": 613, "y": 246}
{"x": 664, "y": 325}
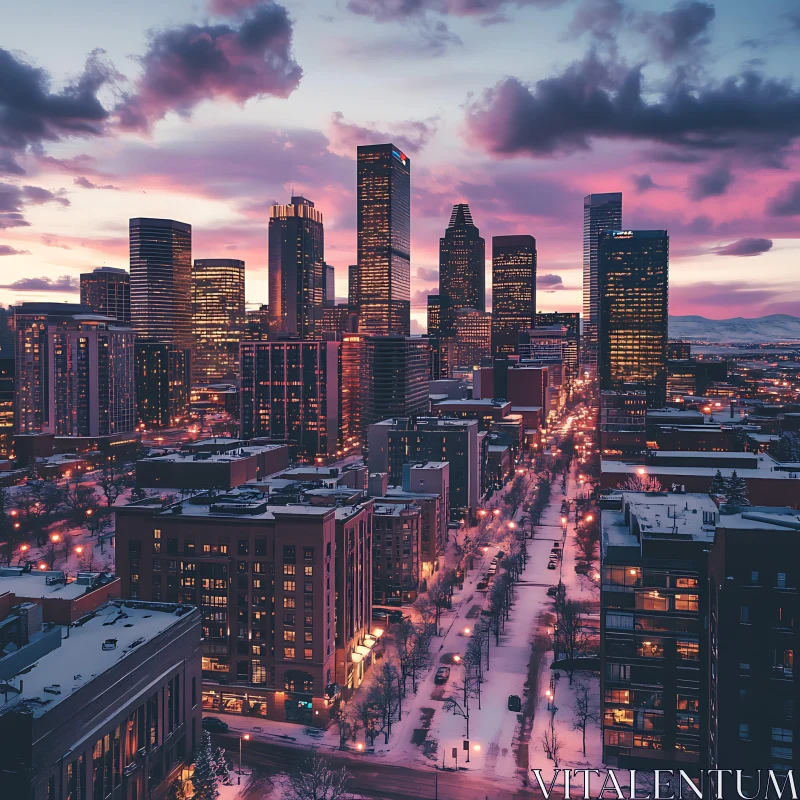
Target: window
{"x": 308, "y": 620}
{"x": 289, "y": 619}
{"x": 288, "y": 652}
{"x": 744, "y": 730}
{"x": 309, "y": 571}
{"x": 289, "y": 569}
{"x": 618, "y": 672}
{"x": 308, "y": 587}
{"x": 289, "y": 554}
{"x": 686, "y": 602}
{"x": 647, "y": 741}
{"x": 687, "y": 649}
{"x": 614, "y": 738}
{"x": 784, "y": 662}
{"x": 781, "y": 580}
{"x": 782, "y": 734}
{"x": 619, "y": 716}
{"x": 686, "y": 703}
{"x": 308, "y": 553}
{"x": 308, "y": 636}
{"x": 260, "y": 547}
{"x": 288, "y": 602}
{"x": 686, "y": 583}
{"x": 308, "y": 654}
{"x": 259, "y": 673}
{"x": 289, "y": 586}
{"x": 308, "y": 603}
{"x": 651, "y": 648}
{"x": 744, "y": 615}
{"x": 619, "y": 621}
{"x": 620, "y": 696}
{"x": 754, "y": 576}
{"x": 289, "y": 636}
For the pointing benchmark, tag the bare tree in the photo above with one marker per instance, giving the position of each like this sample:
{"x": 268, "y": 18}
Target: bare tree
{"x": 570, "y": 638}
{"x": 317, "y": 779}
{"x": 641, "y": 483}
{"x": 367, "y": 710}
{"x": 49, "y": 553}
{"x": 346, "y": 717}
{"x": 584, "y": 711}
{"x": 113, "y": 481}
{"x": 552, "y": 743}
{"x": 386, "y": 694}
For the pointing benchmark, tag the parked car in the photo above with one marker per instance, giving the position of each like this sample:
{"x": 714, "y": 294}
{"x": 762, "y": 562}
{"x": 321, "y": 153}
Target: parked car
{"x": 514, "y": 703}
{"x": 214, "y": 725}
{"x": 395, "y": 617}
{"x": 552, "y": 591}
{"x": 395, "y": 602}
{"x": 481, "y": 585}
{"x": 551, "y": 565}
{"x": 314, "y": 733}
{"x": 557, "y": 543}
{"x": 380, "y": 614}
{"x": 442, "y": 675}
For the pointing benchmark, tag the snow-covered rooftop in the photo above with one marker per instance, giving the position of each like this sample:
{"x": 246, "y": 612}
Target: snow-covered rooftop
{"x": 38, "y": 584}
{"x": 109, "y": 635}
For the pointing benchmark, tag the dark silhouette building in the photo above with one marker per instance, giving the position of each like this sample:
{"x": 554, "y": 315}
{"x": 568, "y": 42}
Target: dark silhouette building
{"x": 633, "y": 284}
{"x": 328, "y": 286}
{"x": 218, "y": 318}
{"x": 601, "y": 212}
{"x": 296, "y": 267}
{"x": 384, "y": 240}
{"x": 161, "y": 280}
{"x": 353, "y": 287}
{"x": 107, "y": 291}
{"x": 6, "y": 405}
{"x": 462, "y": 267}
{"x": 434, "y": 315}
{"x": 513, "y": 290}
{"x": 162, "y": 384}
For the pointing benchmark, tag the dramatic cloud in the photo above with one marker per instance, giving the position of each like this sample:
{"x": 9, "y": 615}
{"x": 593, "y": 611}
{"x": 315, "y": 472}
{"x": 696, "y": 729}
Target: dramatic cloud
{"x": 786, "y": 204}
{"x": 87, "y": 184}
{"x": 488, "y": 10}
{"x": 48, "y": 240}
{"x": 30, "y": 114}
{"x": 745, "y": 247}
{"x": 643, "y": 183}
{"x": 419, "y": 299}
{"x": 427, "y": 275}
{"x": 411, "y": 135}
{"x": 65, "y": 283}
{"x": 712, "y": 183}
{"x": 679, "y": 32}
{"x": 592, "y": 100}
{"x": 726, "y": 298}
{"x": 187, "y": 65}
{"x": 600, "y": 18}
{"x": 13, "y": 200}
{"x": 231, "y": 8}
{"x": 7, "y": 250}
{"x": 549, "y": 283}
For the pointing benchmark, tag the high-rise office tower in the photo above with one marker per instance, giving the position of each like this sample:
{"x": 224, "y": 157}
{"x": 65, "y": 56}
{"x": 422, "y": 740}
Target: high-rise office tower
{"x": 296, "y": 267}
{"x": 218, "y": 318}
{"x": 632, "y": 330}
{"x": 601, "y": 212}
{"x": 6, "y": 405}
{"x": 74, "y": 372}
{"x": 328, "y": 286}
{"x": 107, "y": 291}
{"x": 462, "y": 267}
{"x": 513, "y": 290}
{"x": 473, "y": 337}
{"x": 572, "y": 350}
{"x": 434, "y": 315}
{"x": 353, "y": 287}
{"x": 384, "y": 240}
{"x": 162, "y": 384}
{"x": 161, "y": 280}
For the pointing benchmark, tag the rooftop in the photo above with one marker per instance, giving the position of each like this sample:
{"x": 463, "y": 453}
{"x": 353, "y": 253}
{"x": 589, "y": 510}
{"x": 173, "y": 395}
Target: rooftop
{"x": 395, "y": 510}
{"x": 759, "y": 518}
{"x": 96, "y": 643}
{"x": 50, "y": 584}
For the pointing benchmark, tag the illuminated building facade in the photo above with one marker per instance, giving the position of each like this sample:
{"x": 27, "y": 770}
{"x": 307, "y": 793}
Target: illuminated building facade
{"x": 328, "y": 285}
{"x": 353, "y": 287}
{"x": 462, "y": 267}
{"x": 434, "y": 316}
{"x": 296, "y": 267}
{"x": 473, "y": 336}
{"x": 218, "y": 318}
{"x": 256, "y": 324}
{"x": 384, "y": 240}
{"x": 396, "y": 552}
{"x": 162, "y": 384}
{"x": 161, "y": 280}
{"x": 290, "y": 395}
{"x": 74, "y": 372}
{"x": 572, "y": 345}
{"x": 355, "y": 380}
{"x": 513, "y": 290}
{"x": 398, "y": 371}
{"x": 601, "y": 212}
{"x": 107, "y": 291}
{"x": 339, "y": 319}
{"x": 633, "y": 280}
{"x": 6, "y": 405}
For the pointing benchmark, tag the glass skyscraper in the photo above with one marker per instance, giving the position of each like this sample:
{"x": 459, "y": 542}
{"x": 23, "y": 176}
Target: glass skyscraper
{"x": 384, "y": 240}
{"x": 161, "y": 280}
{"x": 107, "y": 291}
{"x": 513, "y": 290}
{"x": 218, "y": 318}
{"x": 296, "y": 267}
{"x": 462, "y": 267}
{"x": 601, "y": 212}
{"x": 634, "y": 292}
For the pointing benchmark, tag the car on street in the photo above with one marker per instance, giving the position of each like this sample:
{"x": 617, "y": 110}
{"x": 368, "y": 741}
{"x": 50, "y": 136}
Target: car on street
{"x": 214, "y": 725}
{"x": 551, "y": 565}
{"x": 380, "y": 614}
{"x": 514, "y": 703}
{"x": 396, "y": 617}
{"x": 442, "y": 675}
{"x": 552, "y": 591}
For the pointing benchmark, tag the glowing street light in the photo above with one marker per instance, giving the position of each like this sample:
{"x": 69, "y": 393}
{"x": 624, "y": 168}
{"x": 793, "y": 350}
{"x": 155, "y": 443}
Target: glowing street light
{"x": 42, "y": 566}
{"x": 467, "y": 631}
{"x": 54, "y": 537}
{"x": 496, "y": 512}
{"x": 641, "y": 470}
{"x": 512, "y": 525}
{"x": 79, "y": 549}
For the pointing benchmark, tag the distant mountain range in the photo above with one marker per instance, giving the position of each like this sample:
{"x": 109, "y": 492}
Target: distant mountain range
{"x": 739, "y": 330}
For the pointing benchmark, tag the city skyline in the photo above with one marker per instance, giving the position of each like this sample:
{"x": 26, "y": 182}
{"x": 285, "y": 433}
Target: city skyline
{"x": 731, "y": 196}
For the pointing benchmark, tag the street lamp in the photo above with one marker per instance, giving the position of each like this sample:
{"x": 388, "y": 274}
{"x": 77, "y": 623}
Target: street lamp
{"x": 247, "y": 737}
{"x": 512, "y": 525}
{"x": 54, "y": 537}
{"x": 467, "y": 631}
{"x": 496, "y": 512}
{"x": 79, "y": 549}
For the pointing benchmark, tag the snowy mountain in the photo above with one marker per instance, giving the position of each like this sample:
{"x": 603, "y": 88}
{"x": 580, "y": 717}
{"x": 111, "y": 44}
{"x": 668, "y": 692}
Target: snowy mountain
{"x": 739, "y": 330}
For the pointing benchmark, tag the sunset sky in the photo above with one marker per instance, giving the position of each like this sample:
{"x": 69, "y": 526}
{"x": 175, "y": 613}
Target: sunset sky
{"x": 210, "y": 113}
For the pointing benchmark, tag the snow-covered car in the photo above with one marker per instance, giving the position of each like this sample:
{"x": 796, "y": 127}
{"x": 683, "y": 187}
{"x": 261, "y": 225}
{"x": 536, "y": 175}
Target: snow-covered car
{"x": 214, "y": 725}
{"x": 442, "y": 675}
{"x": 551, "y": 565}
{"x": 514, "y": 703}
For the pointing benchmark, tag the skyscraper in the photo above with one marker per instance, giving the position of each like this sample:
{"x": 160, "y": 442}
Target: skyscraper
{"x": 572, "y": 322}
{"x": 161, "y": 280}
{"x": 473, "y": 336}
{"x": 462, "y": 267}
{"x": 434, "y": 315}
{"x": 107, "y": 291}
{"x": 328, "y": 286}
{"x": 162, "y": 384}
{"x": 513, "y": 290}
{"x": 384, "y": 240}
{"x": 218, "y": 318}
{"x": 632, "y": 330}
{"x": 296, "y": 267}
{"x": 601, "y": 212}
{"x": 353, "y": 287}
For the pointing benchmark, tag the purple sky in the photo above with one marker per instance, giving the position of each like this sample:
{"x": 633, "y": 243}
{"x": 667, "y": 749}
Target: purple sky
{"x": 209, "y": 113}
